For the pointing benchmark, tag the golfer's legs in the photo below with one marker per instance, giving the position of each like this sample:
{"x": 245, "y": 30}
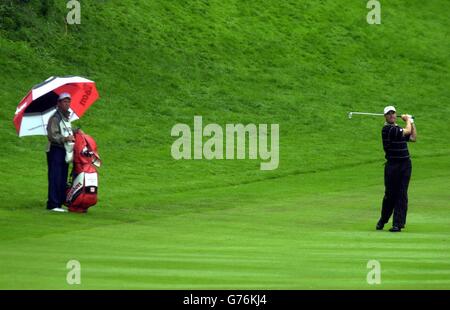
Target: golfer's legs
{"x": 401, "y": 207}
{"x": 389, "y": 192}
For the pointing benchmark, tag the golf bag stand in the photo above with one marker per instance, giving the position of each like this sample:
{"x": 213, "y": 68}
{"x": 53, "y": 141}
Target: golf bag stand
{"x": 82, "y": 191}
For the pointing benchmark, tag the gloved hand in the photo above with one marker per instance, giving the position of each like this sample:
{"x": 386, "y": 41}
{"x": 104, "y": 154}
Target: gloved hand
{"x": 411, "y": 118}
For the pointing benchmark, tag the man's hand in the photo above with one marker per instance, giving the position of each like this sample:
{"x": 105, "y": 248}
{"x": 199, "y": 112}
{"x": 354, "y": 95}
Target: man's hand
{"x": 69, "y": 138}
{"x": 405, "y": 117}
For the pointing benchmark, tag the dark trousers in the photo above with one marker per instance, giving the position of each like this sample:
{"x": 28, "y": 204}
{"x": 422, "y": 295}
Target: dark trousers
{"x": 57, "y": 177}
{"x": 396, "y": 181}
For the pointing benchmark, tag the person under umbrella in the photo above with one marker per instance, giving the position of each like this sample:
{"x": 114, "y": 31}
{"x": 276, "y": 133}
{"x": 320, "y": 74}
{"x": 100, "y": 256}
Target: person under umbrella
{"x": 60, "y": 134}
{"x": 48, "y": 109}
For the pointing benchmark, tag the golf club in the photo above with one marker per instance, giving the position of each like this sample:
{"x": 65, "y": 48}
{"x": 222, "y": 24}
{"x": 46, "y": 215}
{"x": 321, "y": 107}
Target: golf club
{"x": 350, "y": 114}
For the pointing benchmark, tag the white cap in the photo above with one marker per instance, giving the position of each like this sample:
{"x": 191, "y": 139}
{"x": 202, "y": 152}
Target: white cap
{"x": 64, "y": 96}
{"x": 388, "y": 109}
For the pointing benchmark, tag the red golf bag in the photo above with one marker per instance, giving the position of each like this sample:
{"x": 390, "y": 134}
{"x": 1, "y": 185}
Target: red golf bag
{"x": 82, "y": 192}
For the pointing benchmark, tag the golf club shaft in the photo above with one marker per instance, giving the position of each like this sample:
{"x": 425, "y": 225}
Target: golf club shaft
{"x": 366, "y": 113}
{"x": 350, "y": 114}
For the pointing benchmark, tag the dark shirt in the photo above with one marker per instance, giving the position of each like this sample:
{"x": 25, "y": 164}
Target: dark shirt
{"x": 394, "y": 143}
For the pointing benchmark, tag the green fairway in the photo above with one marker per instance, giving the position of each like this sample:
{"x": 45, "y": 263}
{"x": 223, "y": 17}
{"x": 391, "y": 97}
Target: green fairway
{"x": 235, "y": 237}
{"x": 225, "y": 224}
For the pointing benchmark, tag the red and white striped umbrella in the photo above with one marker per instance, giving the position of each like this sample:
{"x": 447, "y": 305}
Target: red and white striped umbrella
{"x": 39, "y": 104}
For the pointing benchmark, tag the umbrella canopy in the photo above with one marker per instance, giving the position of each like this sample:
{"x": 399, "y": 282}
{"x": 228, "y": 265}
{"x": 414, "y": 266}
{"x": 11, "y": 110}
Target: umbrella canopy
{"x": 39, "y": 104}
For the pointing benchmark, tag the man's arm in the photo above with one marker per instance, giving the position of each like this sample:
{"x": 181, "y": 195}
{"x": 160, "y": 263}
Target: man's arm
{"x": 408, "y": 129}
{"x": 413, "y": 136}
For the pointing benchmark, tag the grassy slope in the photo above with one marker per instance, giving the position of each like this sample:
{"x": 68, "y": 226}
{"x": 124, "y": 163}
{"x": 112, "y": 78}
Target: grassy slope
{"x": 302, "y": 65}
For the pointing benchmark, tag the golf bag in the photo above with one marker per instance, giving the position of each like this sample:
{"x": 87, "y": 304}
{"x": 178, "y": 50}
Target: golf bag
{"x": 82, "y": 191}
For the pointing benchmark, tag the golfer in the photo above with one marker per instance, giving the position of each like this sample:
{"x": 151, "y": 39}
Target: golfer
{"x": 397, "y": 171}
{"x": 59, "y": 132}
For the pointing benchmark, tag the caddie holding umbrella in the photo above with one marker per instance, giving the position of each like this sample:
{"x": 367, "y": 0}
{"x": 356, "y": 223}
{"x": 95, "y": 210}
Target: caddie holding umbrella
{"x": 48, "y": 109}
{"x": 59, "y": 153}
